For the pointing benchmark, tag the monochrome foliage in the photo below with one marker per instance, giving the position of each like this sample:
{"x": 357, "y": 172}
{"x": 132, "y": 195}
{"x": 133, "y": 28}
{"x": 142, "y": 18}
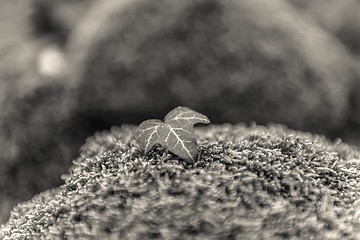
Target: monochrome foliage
{"x": 176, "y": 133}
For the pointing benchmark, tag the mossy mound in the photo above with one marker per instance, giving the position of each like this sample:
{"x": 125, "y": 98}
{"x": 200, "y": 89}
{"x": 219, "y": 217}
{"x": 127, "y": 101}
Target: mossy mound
{"x": 249, "y": 182}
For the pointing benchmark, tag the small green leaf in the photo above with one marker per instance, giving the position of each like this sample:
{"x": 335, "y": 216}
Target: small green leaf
{"x": 176, "y": 133}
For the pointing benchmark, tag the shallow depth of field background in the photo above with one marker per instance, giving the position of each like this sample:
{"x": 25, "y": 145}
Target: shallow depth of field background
{"x": 71, "y": 68}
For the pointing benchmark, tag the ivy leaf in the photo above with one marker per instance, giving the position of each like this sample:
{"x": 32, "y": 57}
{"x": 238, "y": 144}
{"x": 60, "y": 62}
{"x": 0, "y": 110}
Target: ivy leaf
{"x": 176, "y": 133}
{"x": 185, "y": 116}
{"x": 147, "y": 133}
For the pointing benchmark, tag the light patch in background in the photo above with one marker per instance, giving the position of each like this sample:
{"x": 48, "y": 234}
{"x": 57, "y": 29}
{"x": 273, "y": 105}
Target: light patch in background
{"x": 51, "y": 62}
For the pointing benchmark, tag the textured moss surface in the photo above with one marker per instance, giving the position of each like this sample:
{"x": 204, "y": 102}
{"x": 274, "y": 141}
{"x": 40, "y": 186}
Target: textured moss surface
{"x": 249, "y": 183}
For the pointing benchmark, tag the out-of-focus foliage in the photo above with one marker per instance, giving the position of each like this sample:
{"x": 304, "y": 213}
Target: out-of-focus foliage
{"x": 70, "y": 68}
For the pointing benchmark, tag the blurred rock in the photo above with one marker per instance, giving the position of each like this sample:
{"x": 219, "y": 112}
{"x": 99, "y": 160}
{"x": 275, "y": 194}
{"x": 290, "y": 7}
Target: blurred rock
{"x": 234, "y": 61}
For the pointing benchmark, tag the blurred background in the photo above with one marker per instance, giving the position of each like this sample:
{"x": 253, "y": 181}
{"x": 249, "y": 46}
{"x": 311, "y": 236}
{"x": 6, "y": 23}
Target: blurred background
{"x": 69, "y": 68}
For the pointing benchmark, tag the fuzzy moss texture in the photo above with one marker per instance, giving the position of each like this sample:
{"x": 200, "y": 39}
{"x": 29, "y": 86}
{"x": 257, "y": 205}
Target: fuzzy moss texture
{"x": 248, "y": 183}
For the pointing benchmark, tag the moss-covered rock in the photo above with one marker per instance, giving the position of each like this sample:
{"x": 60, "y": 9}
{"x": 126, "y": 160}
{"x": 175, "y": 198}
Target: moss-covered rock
{"x": 249, "y": 182}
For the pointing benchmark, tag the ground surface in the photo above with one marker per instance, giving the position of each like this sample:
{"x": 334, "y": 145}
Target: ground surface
{"x": 249, "y": 183}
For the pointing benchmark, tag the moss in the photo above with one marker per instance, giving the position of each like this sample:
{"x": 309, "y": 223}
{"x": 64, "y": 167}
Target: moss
{"x": 249, "y": 182}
